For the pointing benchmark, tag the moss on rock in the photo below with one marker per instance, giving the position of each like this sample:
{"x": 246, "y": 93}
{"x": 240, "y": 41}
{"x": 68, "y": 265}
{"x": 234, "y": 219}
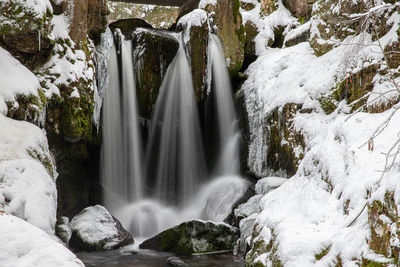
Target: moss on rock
{"x": 194, "y": 237}
{"x": 225, "y": 15}
{"x": 153, "y": 51}
{"x": 383, "y": 219}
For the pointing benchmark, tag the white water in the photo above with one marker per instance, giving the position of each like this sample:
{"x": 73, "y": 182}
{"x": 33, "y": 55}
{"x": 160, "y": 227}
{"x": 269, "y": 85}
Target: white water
{"x": 121, "y": 155}
{"x": 228, "y": 162}
{"x": 175, "y": 151}
{"x": 176, "y": 190}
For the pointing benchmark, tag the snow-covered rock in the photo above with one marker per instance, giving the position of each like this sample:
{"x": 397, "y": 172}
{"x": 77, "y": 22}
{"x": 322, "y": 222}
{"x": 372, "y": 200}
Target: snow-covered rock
{"x": 23, "y": 245}
{"x": 27, "y": 187}
{"x": 96, "y": 229}
{"x": 265, "y": 185}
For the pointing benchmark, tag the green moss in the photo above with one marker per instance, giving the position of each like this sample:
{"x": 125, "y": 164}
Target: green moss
{"x": 323, "y": 253}
{"x": 301, "y": 20}
{"x": 47, "y": 163}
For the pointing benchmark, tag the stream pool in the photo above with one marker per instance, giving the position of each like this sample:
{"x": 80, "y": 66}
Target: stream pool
{"x": 146, "y": 258}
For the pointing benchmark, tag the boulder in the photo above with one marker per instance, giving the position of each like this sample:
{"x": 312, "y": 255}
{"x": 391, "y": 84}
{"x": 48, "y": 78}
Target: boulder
{"x": 194, "y": 237}
{"x": 96, "y": 229}
{"x": 128, "y": 26}
{"x": 153, "y": 51}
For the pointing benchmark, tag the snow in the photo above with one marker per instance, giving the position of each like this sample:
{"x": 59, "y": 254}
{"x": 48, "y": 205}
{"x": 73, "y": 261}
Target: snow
{"x": 16, "y": 79}
{"x": 27, "y": 189}
{"x": 195, "y": 18}
{"x": 24, "y": 245}
{"x": 36, "y": 7}
{"x": 61, "y": 24}
{"x": 313, "y": 209}
{"x": 205, "y": 3}
{"x": 95, "y": 225}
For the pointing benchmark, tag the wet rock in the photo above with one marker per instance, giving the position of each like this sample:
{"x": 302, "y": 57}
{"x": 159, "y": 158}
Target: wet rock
{"x": 176, "y": 262}
{"x": 195, "y": 32}
{"x": 153, "y": 51}
{"x": 194, "y": 237}
{"x": 227, "y": 22}
{"x": 128, "y": 26}
{"x": 96, "y": 229}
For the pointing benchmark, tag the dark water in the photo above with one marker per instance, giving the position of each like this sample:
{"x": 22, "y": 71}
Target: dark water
{"x": 143, "y": 258}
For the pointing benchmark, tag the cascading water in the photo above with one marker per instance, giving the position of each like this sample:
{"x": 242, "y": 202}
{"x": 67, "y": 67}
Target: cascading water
{"x": 173, "y": 189}
{"x": 121, "y": 167}
{"x": 175, "y": 137}
{"x": 228, "y": 161}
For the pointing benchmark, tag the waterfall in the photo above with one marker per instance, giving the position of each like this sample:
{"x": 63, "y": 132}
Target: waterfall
{"x": 175, "y": 141}
{"x": 121, "y": 154}
{"x": 171, "y": 189}
{"x": 228, "y": 160}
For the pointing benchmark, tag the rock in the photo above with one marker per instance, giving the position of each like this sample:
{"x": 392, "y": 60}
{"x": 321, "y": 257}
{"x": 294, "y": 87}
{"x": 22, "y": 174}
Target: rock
{"x": 326, "y": 32}
{"x": 96, "y": 229}
{"x": 176, "y": 261}
{"x": 128, "y": 26}
{"x": 194, "y": 237}
{"x": 22, "y": 25}
{"x": 383, "y": 219}
{"x": 300, "y": 8}
{"x": 153, "y": 51}
{"x": 298, "y": 35}
{"x": 250, "y": 207}
{"x": 267, "y": 7}
{"x": 251, "y": 31}
{"x": 265, "y": 185}
{"x": 247, "y": 5}
{"x": 195, "y": 32}
{"x": 282, "y": 146}
{"x": 88, "y": 18}
{"x": 227, "y": 22}
{"x": 63, "y": 230}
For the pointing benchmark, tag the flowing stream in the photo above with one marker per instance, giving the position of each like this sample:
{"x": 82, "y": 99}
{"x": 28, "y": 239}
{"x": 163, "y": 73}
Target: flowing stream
{"x": 169, "y": 183}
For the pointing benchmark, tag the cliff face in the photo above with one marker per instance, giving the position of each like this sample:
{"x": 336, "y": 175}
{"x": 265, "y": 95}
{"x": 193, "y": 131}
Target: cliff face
{"x": 55, "y": 40}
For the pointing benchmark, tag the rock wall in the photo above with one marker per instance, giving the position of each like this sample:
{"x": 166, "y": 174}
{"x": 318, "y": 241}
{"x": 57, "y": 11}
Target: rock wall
{"x": 55, "y": 40}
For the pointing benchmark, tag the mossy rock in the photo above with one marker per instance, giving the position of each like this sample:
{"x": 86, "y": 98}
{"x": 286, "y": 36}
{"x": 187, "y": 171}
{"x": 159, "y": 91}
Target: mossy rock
{"x": 226, "y": 17}
{"x": 300, "y": 8}
{"x": 194, "y": 237}
{"x": 326, "y": 15}
{"x": 153, "y": 51}
{"x": 382, "y": 218}
{"x": 259, "y": 246}
{"x": 283, "y": 140}
{"x": 27, "y": 107}
{"x": 128, "y": 26}
{"x": 197, "y": 47}
{"x": 25, "y": 33}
